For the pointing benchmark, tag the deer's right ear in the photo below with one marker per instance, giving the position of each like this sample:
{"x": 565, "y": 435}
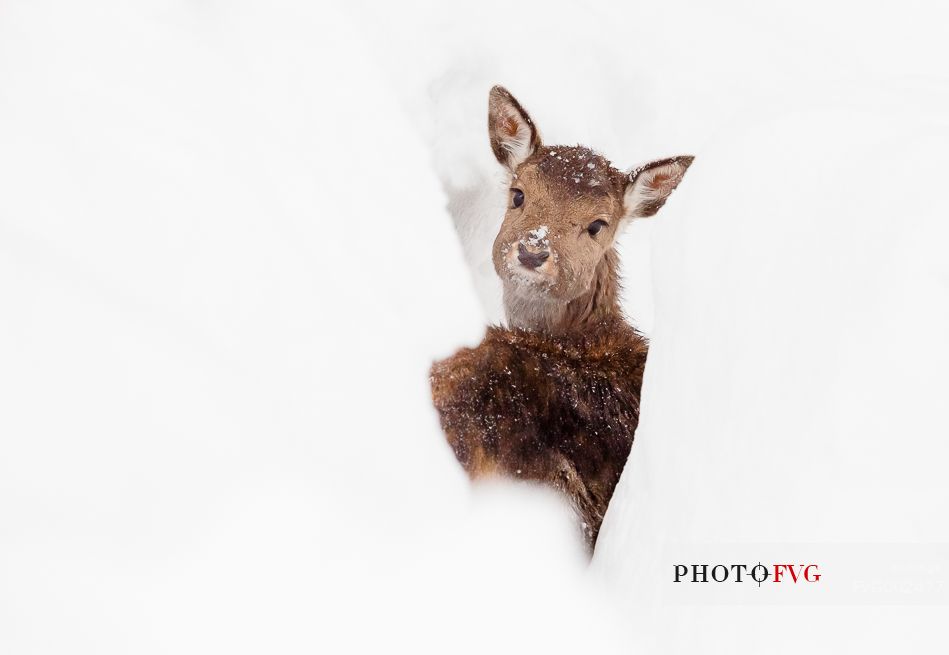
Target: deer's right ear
{"x": 513, "y": 135}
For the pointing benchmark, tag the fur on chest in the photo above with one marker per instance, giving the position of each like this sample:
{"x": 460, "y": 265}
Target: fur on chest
{"x": 575, "y": 394}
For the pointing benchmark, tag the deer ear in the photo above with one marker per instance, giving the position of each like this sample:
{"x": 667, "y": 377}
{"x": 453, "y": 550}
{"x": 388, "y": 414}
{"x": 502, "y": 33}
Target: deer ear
{"x": 648, "y": 186}
{"x": 513, "y": 135}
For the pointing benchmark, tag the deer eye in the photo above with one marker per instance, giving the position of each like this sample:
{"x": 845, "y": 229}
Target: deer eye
{"x": 596, "y": 226}
{"x": 517, "y": 197}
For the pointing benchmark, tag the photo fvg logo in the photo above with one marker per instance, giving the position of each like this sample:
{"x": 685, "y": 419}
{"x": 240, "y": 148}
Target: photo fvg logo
{"x": 779, "y": 573}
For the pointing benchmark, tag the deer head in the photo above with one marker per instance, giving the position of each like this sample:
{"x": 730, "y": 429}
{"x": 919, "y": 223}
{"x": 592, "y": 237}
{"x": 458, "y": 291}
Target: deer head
{"x": 554, "y": 252}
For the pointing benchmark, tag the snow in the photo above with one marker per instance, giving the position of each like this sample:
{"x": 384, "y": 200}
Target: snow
{"x": 221, "y": 289}
{"x": 233, "y": 236}
{"x": 538, "y": 237}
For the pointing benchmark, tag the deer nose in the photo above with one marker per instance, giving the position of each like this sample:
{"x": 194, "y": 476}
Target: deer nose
{"x": 531, "y": 259}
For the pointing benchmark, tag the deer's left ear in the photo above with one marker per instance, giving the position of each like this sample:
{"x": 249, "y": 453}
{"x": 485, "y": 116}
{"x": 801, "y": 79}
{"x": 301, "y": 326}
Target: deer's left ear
{"x": 648, "y": 186}
{"x": 514, "y": 137}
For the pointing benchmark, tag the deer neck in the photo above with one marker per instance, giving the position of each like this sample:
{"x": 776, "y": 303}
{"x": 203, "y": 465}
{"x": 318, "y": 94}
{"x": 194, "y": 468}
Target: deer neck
{"x": 597, "y": 305}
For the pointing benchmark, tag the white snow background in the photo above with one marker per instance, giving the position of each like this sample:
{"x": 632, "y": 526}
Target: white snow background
{"x": 229, "y": 251}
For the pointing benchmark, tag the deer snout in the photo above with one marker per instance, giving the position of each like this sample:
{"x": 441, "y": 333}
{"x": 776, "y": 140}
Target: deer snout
{"x": 529, "y": 258}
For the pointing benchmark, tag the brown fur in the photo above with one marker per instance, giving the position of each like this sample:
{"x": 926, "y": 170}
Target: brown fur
{"x": 559, "y": 410}
{"x": 555, "y": 397}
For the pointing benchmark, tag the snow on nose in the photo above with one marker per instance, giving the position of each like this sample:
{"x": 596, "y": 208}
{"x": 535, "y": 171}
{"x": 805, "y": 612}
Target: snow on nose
{"x": 534, "y": 250}
{"x": 537, "y": 238}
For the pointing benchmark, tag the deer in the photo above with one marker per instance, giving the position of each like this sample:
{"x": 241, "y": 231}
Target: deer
{"x": 553, "y": 396}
